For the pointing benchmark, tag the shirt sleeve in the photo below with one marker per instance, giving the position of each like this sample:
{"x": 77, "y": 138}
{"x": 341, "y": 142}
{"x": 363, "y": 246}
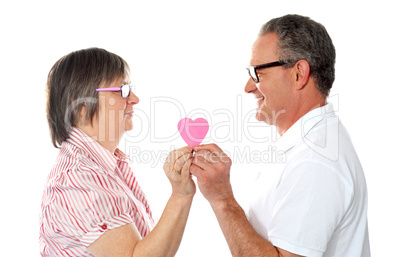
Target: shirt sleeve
{"x": 87, "y": 202}
{"x": 307, "y": 206}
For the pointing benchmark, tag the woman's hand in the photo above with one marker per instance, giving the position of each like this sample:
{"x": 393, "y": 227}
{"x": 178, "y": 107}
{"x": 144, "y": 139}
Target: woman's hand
{"x": 165, "y": 238}
{"x": 177, "y": 169}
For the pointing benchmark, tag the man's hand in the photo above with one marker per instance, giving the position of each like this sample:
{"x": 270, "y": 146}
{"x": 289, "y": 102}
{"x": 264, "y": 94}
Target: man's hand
{"x": 211, "y": 166}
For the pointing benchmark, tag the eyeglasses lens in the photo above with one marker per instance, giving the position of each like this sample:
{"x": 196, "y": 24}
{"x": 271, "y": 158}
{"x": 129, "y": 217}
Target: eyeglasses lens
{"x": 253, "y": 74}
{"x": 125, "y": 91}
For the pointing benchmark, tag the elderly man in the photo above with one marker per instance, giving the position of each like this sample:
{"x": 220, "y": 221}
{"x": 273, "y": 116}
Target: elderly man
{"x": 318, "y": 205}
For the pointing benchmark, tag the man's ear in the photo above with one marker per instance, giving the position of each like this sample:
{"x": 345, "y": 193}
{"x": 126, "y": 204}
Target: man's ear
{"x": 302, "y": 69}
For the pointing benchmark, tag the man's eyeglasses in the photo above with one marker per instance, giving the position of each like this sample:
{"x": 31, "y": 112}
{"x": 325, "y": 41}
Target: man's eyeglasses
{"x": 252, "y": 70}
{"x": 125, "y": 89}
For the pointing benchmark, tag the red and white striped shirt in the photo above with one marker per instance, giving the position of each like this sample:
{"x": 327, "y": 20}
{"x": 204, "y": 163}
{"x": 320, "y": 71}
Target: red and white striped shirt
{"x": 89, "y": 191}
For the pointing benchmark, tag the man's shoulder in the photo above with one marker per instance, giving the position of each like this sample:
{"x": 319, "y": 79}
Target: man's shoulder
{"x": 327, "y": 141}
{"x": 326, "y": 149}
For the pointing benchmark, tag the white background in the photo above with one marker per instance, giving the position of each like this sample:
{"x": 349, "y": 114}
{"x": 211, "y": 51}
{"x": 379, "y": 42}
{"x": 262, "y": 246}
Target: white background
{"x": 194, "y": 53}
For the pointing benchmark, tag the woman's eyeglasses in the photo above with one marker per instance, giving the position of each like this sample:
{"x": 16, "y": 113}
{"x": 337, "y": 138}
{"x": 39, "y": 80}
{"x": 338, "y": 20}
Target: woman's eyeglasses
{"x": 125, "y": 89}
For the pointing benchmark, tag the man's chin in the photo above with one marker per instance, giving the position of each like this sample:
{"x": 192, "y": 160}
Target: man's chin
{"x": 264, "y": 119}
{"x": 261, "y": 117}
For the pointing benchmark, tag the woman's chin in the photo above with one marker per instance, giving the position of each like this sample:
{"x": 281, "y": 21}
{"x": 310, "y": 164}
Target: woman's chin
{"x": 129, "y": 125}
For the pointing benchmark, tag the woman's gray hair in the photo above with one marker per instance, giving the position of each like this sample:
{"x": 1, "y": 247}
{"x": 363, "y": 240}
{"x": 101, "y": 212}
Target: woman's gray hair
{"x": 301, "y": 38}
{"x": 71, "y": 85}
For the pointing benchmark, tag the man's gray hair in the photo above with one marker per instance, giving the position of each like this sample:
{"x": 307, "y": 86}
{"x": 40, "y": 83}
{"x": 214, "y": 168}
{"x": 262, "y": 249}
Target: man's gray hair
{"x": 301, "y": 38}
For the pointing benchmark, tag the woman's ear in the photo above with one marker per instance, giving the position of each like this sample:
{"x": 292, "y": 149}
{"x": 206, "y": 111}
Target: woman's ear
{"x": 82, "y": 115}
{"x": 83, "y": 111}
{"x": 302, "y": 69}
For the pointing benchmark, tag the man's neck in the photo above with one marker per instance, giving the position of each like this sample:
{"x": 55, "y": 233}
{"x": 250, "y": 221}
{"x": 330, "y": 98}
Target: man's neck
{"x": 294, "y": 114}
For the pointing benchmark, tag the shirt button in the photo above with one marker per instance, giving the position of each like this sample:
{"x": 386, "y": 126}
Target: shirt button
{"x": 104, "y": 227}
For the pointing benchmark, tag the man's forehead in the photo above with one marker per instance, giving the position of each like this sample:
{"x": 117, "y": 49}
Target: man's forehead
{"x": 264, "y": 48}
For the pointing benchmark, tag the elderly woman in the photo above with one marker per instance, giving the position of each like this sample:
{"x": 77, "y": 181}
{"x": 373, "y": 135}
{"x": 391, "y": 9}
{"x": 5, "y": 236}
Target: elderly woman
{"x": 92, "y": 204}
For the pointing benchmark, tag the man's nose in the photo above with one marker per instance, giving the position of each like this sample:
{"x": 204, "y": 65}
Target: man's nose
{"x": 250, "y": 86}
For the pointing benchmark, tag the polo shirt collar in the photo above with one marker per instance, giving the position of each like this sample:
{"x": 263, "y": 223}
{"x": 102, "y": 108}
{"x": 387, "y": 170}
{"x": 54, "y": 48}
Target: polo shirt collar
{"x": 96, "y": 151}
{"x": 301, "y": 128}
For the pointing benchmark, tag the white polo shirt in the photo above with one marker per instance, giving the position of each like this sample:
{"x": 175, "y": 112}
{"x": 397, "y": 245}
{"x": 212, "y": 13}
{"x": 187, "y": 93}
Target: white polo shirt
{"x": 318, "y": 204}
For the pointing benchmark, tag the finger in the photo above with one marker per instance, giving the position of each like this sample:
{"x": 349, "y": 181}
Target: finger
{"x": 185, "y": 171}
{"x": 196, "y": 170}
{"x": 181, "y": 161}
{"x": 175, "y": 154}
{"x": 209, "y": 156}
{"x": 205, "y": 158}
{"x": 200, "y": 161}
{"x": 214, "y": 149}
{"x": 209, "y": 147}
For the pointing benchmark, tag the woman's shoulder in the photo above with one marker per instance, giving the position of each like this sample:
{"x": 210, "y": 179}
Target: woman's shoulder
{"x": 73, "y": 159}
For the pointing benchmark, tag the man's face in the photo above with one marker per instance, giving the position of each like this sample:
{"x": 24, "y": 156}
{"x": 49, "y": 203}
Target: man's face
{"x": 273, "y": 89}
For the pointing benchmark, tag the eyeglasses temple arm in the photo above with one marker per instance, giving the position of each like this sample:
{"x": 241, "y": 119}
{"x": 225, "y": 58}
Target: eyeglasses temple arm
{"x": 108, "y": 89}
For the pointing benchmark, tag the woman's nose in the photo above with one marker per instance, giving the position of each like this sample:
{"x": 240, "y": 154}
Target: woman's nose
{"x": 133, "y": 98}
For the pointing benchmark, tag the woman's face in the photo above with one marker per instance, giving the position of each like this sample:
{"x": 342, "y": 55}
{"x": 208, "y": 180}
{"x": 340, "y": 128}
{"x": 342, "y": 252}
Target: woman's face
{"x": 115, "y": 112}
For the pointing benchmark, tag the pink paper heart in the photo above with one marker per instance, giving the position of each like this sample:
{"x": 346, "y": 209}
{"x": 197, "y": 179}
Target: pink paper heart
{"x": 193, "y": 132}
